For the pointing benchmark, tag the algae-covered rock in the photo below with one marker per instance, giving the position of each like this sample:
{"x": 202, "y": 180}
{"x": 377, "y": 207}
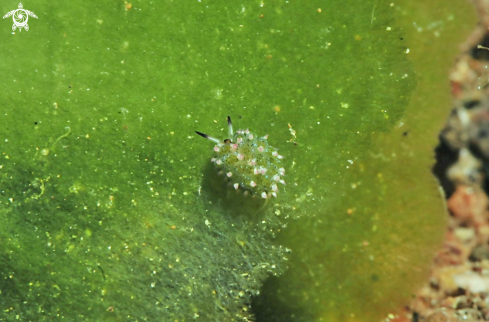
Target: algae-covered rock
{"x": 363, "y": 256}
{"x": 111, "y": 208}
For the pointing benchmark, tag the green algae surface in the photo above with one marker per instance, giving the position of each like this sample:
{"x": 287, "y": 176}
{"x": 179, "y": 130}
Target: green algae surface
{"x": 111, "y": 210}
{"x": 367, "y": 254}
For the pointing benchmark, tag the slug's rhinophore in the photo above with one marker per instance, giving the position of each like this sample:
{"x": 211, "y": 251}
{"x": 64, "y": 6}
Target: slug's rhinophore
{"x": 249, "y": 162}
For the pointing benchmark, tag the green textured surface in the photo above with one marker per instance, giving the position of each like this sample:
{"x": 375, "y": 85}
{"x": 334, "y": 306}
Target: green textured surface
{"x": 367, "y": 253}
{"x": 126, "y": 212}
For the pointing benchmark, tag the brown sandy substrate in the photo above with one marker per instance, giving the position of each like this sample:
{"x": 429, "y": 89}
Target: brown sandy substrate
{"x": 458, "y": 288}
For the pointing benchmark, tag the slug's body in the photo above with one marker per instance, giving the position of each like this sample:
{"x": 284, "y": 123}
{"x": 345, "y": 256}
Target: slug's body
{"x": 249, "y": 162}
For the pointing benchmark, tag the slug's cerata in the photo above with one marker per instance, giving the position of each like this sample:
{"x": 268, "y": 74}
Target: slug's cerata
{"x": 248, "y": 162}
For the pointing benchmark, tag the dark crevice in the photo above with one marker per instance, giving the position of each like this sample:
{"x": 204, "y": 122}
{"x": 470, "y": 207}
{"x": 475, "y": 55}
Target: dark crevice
{"x": 481, "y": 53}
{"x": 471, "y": 104}
{"x": 445, "y": 158}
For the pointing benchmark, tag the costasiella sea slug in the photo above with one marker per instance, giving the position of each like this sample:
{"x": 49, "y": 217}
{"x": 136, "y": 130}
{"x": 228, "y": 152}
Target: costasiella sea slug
{"x": 248, "y": 162}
